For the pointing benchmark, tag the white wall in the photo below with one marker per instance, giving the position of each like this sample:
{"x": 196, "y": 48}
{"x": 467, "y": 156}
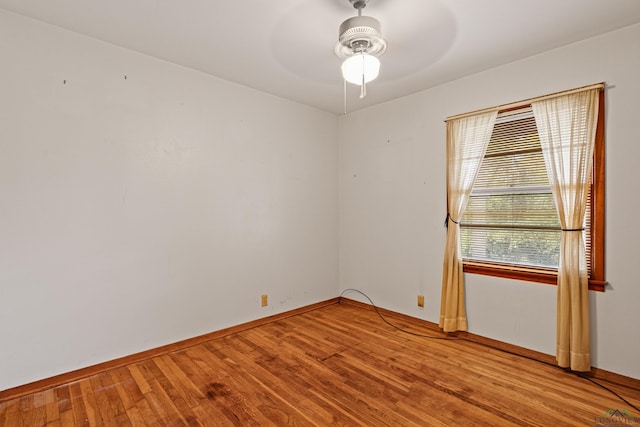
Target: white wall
{"x": 392, "y": 201}
{"x": 142, "y": 211}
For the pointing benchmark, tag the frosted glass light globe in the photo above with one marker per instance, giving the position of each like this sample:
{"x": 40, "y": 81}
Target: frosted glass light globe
{"x": 354, "y": 67}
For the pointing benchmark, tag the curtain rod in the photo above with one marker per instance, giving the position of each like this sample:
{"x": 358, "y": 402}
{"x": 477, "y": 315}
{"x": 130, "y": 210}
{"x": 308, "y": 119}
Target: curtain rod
{"x": 528, "y": 101}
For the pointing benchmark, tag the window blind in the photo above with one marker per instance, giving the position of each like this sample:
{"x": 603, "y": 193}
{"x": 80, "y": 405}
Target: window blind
{"x": 511, "y": 215}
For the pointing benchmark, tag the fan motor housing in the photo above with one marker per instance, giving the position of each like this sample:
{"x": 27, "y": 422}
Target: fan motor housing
{"x": 360, "y": 33}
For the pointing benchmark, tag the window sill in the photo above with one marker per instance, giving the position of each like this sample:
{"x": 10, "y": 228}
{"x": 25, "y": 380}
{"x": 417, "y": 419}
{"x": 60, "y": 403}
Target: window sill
{"x": 546, "y": 276}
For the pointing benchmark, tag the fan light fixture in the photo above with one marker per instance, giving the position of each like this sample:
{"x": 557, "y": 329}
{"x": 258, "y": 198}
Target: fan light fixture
{"x": 360, "y": 43}
{"x": 360, "y": 67}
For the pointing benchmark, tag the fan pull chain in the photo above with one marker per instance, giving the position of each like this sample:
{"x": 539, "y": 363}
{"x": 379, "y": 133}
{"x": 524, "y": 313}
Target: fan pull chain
{"x": 344, "y": 94}
{"x": 363, "y": 87}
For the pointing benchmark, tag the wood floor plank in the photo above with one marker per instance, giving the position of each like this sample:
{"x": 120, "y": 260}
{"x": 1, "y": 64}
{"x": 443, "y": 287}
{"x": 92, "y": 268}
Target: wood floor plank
{"x": 111, "y": 405}
{"x": 10, "y": 413}
{"x": 51, "y": 406}
{"x": 339, "y": 365}
{"x": 143, "y": 411}
{"x": 141, "y": 382}
{"x": 77, "y": 405}
{"x": 63, "y": 400}
{"x": 177, "y": 407}
{"x": 126, "y": 388}
{"x": 135, "y": 418}
{"x": 88, "y": 396}
{"x": 162, "y": 398}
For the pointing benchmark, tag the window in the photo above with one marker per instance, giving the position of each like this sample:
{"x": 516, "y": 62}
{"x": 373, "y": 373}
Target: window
{"x": 510, "y": 227}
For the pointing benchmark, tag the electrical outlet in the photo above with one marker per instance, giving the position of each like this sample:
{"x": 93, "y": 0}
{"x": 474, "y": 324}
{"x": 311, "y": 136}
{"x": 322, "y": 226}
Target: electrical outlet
{"x": 265, "y": 300}
{"x": 420, "y": 300}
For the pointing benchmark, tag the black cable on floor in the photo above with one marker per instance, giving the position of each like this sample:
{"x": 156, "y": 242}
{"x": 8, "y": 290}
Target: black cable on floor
{"x": 609, "y": 390}
{"x": 391, "y": 324}
{"x": 578, "y": 374}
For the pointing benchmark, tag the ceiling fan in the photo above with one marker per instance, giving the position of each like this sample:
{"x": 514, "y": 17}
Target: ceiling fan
{"x": 360, "y": 44}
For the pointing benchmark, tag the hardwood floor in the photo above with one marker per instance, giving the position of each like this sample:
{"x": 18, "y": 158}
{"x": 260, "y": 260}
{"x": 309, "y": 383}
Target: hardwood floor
{"x": 338, "y": 365}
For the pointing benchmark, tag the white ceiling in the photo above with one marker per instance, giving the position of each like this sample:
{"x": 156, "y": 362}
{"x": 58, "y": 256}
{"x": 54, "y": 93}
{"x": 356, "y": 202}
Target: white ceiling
{"x": 285, "y": 47}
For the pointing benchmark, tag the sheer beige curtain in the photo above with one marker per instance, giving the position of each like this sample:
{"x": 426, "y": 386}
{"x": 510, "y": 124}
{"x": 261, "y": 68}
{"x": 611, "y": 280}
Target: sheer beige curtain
{"x": 567, "y": 128}
{"x": 467, "y": 141}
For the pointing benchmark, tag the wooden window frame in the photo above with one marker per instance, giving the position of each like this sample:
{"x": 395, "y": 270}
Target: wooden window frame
{"x": 597, "y": 280}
